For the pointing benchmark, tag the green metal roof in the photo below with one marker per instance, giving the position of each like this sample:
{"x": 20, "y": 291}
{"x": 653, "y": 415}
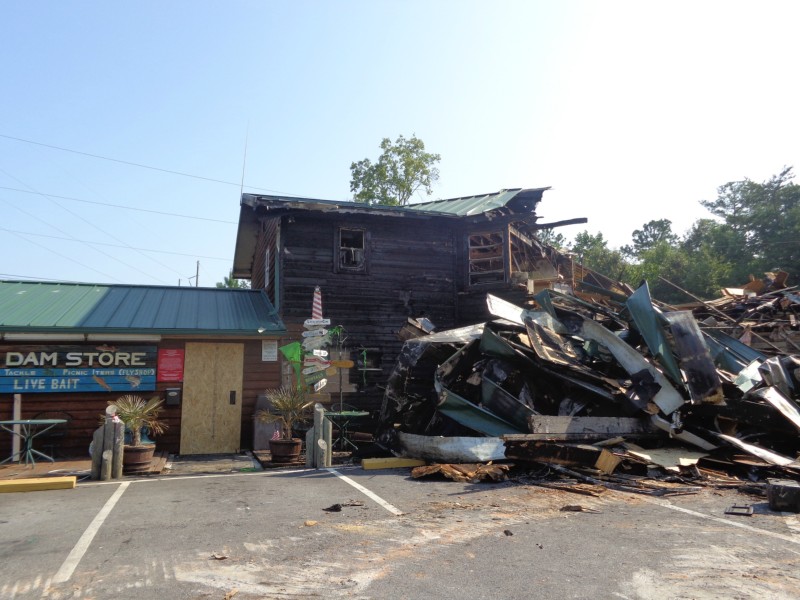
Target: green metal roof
{"x": 78, "y": 308}
{"x": 475, "y": 205}
{"x": 524, "y": 199}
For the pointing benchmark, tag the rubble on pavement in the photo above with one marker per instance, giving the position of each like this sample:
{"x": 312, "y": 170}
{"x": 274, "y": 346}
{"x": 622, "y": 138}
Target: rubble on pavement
{"x": 615, "y": 390}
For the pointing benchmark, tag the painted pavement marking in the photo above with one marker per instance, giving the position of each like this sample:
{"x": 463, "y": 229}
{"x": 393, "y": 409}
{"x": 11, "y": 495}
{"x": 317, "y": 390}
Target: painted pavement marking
{"x": 71, "y": 562}
{"x": 372, "y": 495}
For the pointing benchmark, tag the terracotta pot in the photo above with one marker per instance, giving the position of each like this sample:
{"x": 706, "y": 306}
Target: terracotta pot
{"x": 136, "y": 459}
{"x": 285, "y": 451}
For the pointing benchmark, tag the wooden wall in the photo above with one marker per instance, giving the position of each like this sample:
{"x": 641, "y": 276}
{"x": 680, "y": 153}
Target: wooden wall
{"x": 86, "y": 409}
{"x": 410, "y": 273}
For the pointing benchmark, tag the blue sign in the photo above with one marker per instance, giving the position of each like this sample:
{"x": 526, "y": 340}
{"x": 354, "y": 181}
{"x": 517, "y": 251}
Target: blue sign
{"x": 59, "y": 369}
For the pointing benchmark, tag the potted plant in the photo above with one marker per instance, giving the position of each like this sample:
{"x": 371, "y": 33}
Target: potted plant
{"x": 289, "y": 406}
{"x": 137, "y": 413}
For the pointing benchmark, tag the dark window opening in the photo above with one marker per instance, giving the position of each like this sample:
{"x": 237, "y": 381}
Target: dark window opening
{"x": 486, "y": 258}
{"x": 352, "y": 249}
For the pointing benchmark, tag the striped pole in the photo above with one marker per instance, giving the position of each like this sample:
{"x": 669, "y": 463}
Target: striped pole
{"x": 316, "y": 307}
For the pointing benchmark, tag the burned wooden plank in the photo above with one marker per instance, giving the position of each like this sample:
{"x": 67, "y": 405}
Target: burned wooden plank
{"x": 587, "y": 429}
{"x": 562, "y": 454}
{"x": 470, "y": 473}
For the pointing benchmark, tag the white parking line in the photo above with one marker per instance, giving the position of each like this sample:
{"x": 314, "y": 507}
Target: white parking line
{"x": 372, "y": 495}
{"x": 780, "y": 536}
{"x": 71, "y": 562}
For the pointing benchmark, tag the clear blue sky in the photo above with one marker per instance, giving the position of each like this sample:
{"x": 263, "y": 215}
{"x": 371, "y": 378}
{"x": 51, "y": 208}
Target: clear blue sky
{"x": 632, "y": 111}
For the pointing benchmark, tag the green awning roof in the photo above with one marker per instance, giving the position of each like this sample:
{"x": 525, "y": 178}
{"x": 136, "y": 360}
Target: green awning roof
{"x": 45, "y": 307}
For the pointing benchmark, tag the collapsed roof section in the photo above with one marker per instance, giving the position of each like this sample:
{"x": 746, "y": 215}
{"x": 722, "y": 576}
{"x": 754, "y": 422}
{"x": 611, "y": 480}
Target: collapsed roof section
{"x": 509, "y": 205}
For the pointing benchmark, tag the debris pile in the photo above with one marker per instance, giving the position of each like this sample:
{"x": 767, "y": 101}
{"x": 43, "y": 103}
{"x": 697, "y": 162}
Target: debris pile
{"x": 591, "y": 389}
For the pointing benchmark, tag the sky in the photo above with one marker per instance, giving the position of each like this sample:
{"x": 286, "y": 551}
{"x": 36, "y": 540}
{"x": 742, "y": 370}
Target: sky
{"x": 128, "y": 129}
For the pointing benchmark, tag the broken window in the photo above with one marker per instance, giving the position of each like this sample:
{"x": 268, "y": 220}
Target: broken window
{"x": 486, "y": 258}
{"x": 352, "y": 250}
{"x": 528, "y": 259}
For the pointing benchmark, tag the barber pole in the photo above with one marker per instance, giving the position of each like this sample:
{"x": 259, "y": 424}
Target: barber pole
{"x": 316, "y": 306}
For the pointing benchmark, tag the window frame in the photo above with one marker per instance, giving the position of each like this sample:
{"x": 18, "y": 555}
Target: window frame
{"x": 338, "y": 267}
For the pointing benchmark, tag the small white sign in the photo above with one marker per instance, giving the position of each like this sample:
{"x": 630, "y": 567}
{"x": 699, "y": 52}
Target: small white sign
{"x": 315, "y": 342}
{"x": 322, "y": 353}
{"x": 315, "y": 333}
{"x": 314, "y": 369}
{"x": 269, "y": 350}
{"x": 311, "y": 323}
{"x": 320, "y": 384}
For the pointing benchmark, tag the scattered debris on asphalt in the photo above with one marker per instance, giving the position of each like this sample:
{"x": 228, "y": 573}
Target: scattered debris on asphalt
{"x": 578, "y": 508}
{"x": 333, "y": 508}
{"x": 608, "y": 389}
{"x": 471, "y": 473}
{"x": 744, "y": 510}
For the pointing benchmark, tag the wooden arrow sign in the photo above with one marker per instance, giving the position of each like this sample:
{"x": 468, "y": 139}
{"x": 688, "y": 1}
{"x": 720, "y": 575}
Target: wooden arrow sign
{"x": 314, "y": 333}
{"x": 315, "y": 342}
{"x": 320, "y": 384}
{"x": 313, "y": 369}
{"x": 312, "y": 323}
{"x": 343, "y": 364}
{"x": 316, "y": 360}
{"x": 314, "y": 377}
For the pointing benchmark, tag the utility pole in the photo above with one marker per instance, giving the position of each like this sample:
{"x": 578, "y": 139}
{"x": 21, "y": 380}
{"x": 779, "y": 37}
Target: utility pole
{"x": 197, "y": 275}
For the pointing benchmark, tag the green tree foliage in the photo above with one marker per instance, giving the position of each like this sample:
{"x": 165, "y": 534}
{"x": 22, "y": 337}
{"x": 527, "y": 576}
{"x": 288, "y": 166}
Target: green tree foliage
{"x": 551, "y": 238}
{"x": 593, "y": 252}
{"x": 230, "y": 282}
{"x": 661, "y": 260}
{"x": 403, "y": 169}
{"x": 766, "y": 217}
{"x": 650, "y": 235}
{"x": 757, "y": 230}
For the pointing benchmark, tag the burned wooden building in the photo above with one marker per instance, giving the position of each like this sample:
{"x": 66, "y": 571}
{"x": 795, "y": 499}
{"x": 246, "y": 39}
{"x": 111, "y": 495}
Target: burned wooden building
{"x": 380, "y": 267}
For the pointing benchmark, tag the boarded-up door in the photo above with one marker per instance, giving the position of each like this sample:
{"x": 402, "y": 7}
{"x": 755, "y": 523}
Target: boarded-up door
{"x": 211, "y": 412}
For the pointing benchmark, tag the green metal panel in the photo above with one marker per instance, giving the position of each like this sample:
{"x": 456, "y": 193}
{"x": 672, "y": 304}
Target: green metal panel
{"x": 40, "y": 304}
{"x": 82, "y": 308}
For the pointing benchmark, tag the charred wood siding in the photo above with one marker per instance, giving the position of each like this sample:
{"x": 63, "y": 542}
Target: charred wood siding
{"x": 409, "y": 272}
{"x": 264, "y": 260}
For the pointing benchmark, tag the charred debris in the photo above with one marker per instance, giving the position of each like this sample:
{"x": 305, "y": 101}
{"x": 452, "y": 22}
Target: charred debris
{"x": 609, "y": 389}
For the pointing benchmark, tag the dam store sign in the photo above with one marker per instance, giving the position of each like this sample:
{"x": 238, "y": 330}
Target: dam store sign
{"x": 58, "y": 369}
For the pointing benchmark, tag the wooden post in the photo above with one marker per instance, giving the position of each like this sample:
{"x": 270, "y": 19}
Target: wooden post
{"x": 327, "y": 434}
{"x": 319, "y": 435}
{"x": 16, "y": 415}
{"x": 97, "y": 452}
{"x": 119, "y": 440}
{"x": 310, "y": 454}
{"x": 105, "y": 465}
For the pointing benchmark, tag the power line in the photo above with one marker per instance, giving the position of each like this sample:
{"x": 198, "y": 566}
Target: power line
{"x": 68, "y": 239}
{"x": 141, "y": 166}
{"x": 122, "y": 206}
{"x": 90, "y": 244}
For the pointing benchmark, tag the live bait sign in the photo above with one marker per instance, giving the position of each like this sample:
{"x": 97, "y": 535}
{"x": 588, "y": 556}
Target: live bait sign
{"x": 54, "y": 369}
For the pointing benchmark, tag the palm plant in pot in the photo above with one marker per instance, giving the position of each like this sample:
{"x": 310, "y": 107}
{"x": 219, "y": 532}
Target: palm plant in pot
{"x": 289, "y": 407}
{"x": 136, "y": 413}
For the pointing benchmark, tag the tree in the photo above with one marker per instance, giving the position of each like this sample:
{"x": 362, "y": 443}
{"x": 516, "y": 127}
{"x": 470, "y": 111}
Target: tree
{"x": 650, "y": 235}
{"x": 593, "y": 252}
{"x": 402, "y": 169}
{"x": 230, "y": 282}
{"x": 549, "y": 237}
{"x": 766, "y": 218}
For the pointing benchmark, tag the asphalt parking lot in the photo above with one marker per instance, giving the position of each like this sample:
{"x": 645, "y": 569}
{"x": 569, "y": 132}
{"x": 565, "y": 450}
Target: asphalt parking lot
{"x": 266, "y": 535}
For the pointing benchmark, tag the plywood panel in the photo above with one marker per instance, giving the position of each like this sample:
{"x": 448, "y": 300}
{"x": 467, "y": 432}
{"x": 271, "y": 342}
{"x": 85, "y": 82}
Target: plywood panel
{"x": 210, "y": 424}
